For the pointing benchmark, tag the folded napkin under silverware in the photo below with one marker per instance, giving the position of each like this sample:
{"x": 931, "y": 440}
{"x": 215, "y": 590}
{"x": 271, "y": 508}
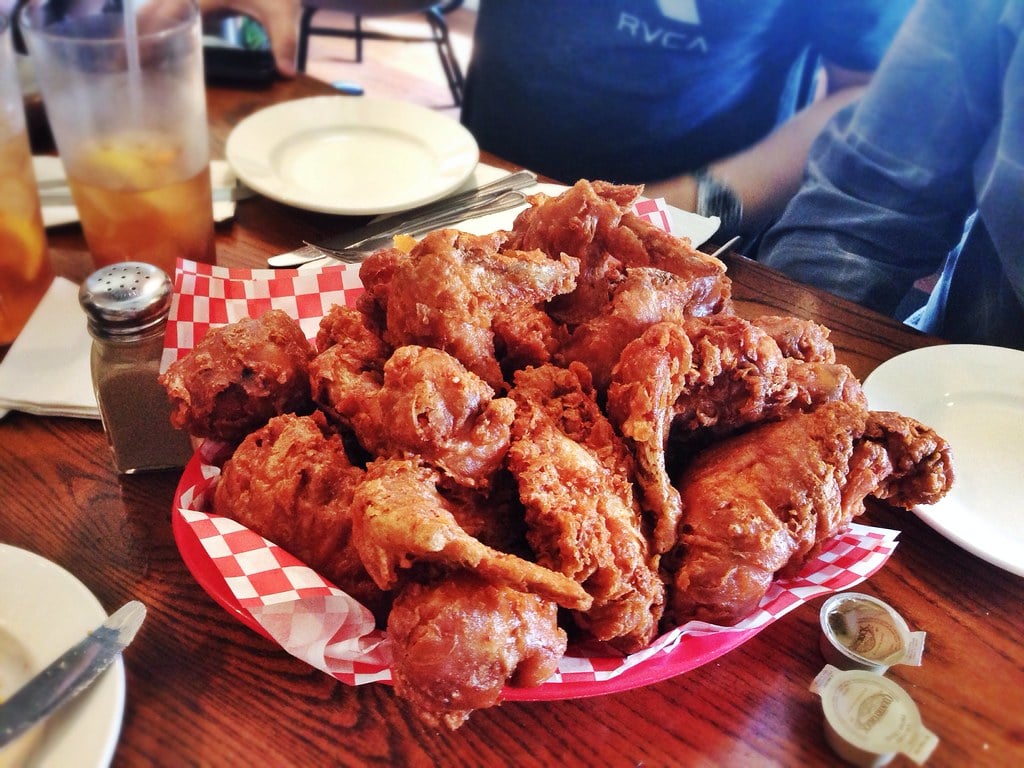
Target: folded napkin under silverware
{"x": 351, "y": 246}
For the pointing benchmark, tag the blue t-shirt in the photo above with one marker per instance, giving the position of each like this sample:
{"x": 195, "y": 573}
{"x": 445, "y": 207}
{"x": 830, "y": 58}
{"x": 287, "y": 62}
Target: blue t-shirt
{"x": 926, "y": 173}
{"x": 642, "y": 90}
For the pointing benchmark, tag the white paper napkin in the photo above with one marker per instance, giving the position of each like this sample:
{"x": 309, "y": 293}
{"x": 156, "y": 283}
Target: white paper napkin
{"x": 50, "y": 178}
{"x": 46, "y": 371}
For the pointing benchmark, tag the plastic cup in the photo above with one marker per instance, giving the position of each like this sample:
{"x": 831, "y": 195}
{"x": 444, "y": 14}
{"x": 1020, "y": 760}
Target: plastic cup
{"x": 126, "y": 102}
{"x": 25, "y": 271}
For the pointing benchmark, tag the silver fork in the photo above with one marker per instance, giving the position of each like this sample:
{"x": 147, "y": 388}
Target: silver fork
{"x": 308, "y": 252}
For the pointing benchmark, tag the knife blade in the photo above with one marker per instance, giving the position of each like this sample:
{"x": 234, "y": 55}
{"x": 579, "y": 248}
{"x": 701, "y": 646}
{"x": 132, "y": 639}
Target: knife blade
{"x": 71, "y": 673}
{"x": 383, "y": 224}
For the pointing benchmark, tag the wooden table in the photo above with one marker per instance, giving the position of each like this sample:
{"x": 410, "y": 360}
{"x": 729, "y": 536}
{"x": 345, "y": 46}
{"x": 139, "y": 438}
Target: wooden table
{"x": 204, "y": 690}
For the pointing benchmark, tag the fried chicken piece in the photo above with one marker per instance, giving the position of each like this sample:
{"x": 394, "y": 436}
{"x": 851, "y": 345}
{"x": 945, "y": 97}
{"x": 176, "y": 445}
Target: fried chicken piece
{"x": 433, "y": 407}
{"x": 717, "y": 374}
{"x": 577, "y": 223}
{"x": 646, "y": 296}
{"x": 648, "y": 245}
{"x": 446, "y": 293}
{"x": 741, "y": 376}
{"x": 525, "y": 336}
{"x": 800, "y": 339}
{"x": 763, "y": 502}
{"x": 456, "y": 643}
{"x": 922, "y": 462}
{"x": 426, "y": 404}
{"x": 575, "y": 480}
{"x": 400, "y": 518}
{"x": 651, "y": 375}
{"x": 593, "y": 222}
{"x": 239, "y": 376}
{"x": 347, "y": 375}
{"x": 291, "y": 482}
{"x": 357, "y": 332}
{"x": 376, "y": 273}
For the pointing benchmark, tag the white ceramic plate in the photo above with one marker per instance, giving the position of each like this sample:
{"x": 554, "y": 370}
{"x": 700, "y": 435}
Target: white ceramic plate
{"x": 47, "y": 610}
{"x": 973, "y": 396}
{"x": 351, "y": 155}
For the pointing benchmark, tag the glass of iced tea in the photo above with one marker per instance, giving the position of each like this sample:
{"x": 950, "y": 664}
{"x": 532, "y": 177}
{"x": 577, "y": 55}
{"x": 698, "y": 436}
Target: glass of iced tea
{"x": 25, "y": 271}
{"x": 123, "y": 88}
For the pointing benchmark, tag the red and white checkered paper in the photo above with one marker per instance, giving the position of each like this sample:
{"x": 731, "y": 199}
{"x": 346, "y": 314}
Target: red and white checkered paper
{"x": 283, "y": 599}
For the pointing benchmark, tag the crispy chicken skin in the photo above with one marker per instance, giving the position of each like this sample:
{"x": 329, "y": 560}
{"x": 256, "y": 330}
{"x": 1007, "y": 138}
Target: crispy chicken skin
{"x": 716, "y": 375}
{"x": 346, "y": 376}
{"x": 400, "y": 518}
{"x": 358, "y": 334}
{"x": 239, "y": 376}
{"x": 456, "y": 643}
{"x": 644, "y": 297}
{"x": 446, "y": 293}
{"x": 593, "y": 222}
{"x": 577, "y": 223}
{"x": 649, "y": 378}
{"x": 922, "y": 462}
{"x": 575, "y": 481}
{"x": 430, "y": 405}
{"x": 797, "y": 338}
{"x": 762, "y": 503}
{"x": 422, "y": 402}
{"x": 291, "y": 482}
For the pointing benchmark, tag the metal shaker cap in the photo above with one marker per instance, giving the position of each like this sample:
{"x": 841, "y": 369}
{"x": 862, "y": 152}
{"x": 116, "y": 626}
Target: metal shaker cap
{"x": 125, "y": 299}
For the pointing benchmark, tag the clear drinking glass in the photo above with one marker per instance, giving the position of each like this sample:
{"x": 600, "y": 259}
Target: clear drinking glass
{"x": 25, "y": 271}
{"x": 124, "y": 93}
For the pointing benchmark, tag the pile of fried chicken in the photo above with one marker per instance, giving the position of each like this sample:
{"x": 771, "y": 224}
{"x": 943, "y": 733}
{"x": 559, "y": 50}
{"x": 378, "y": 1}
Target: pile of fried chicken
{"x": 556, "y": 433}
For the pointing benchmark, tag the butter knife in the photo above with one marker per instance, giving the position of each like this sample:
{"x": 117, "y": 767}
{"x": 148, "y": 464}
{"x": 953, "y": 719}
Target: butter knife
{"x": 71, "y": 673}
{"x": 384, "y": 227}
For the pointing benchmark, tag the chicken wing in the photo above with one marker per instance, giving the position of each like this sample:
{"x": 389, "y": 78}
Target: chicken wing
{"x": 400, "y": 518}
{"x": 593, "y": 222}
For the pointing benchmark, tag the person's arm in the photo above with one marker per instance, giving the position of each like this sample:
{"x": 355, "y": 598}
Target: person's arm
{"x": 766, "y": 175}
{"x": 890, "y": 182}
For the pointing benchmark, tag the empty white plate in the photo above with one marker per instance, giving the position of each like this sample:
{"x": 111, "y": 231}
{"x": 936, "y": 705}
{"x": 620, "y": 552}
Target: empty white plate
{"x": 351, "y": 155}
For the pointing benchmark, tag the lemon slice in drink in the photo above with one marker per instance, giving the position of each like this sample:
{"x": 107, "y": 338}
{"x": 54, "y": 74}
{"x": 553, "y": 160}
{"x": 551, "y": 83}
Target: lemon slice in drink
{"x": 22, "y": 248}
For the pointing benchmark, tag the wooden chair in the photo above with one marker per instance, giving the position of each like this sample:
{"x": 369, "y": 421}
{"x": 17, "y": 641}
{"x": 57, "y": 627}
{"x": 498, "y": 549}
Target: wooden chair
{"x": 433, "y": 12}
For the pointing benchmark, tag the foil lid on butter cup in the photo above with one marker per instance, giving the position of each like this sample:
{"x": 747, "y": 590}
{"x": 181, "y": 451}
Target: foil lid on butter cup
{"x": 862, "y": 632}
{"x": 869, "y": 719}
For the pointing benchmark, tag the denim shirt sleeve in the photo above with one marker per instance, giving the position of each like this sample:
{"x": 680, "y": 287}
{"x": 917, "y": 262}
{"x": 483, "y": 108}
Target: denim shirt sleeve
{"x": 854, "y": 34}
{"x": 889, "y": 182}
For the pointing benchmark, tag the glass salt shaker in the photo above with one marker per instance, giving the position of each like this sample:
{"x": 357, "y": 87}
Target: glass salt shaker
{"x": 127, "y": 306}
